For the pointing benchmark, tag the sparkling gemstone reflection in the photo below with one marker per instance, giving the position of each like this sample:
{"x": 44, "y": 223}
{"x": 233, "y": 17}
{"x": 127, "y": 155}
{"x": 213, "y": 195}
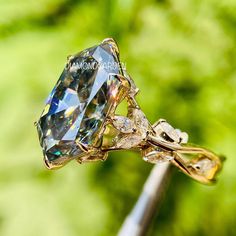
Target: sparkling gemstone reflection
{"x": 76, "y": 109}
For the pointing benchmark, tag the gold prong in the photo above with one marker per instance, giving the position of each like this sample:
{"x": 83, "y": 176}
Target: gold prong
{"x": 49, "y": 165}
{"x": 158, "y": 122}
{"x": 113, "y": 43}
{"x": 125, "y": 83}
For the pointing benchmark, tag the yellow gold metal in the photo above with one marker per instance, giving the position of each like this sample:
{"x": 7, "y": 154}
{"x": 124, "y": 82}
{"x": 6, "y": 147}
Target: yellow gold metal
{"x": 114, "y": 45}
{"x": 203, "y": 166}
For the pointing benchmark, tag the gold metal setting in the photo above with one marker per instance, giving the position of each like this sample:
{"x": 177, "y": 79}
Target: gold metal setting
{"x": 157, "y": 143}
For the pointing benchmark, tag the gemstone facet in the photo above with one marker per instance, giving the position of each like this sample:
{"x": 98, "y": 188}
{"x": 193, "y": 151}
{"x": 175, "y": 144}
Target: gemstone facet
{"x": 75, "y": 112}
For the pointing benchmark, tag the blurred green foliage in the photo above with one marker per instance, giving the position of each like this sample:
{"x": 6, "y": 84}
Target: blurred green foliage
{"x": 182, "y": 56}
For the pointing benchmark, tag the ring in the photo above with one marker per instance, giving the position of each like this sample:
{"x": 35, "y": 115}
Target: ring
{"x": 79, "y": 121}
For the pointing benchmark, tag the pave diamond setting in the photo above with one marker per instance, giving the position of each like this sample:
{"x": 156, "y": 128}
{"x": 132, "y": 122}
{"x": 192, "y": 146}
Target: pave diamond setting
{"x": 88, "y": 90}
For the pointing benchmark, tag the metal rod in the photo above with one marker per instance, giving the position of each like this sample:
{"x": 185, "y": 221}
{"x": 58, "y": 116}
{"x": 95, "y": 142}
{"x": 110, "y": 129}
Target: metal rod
{"x": 138, "y": 221}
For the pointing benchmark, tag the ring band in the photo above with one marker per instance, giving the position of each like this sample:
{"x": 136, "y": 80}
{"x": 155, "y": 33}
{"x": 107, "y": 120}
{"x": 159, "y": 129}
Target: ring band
{"x": 79, "y": 120}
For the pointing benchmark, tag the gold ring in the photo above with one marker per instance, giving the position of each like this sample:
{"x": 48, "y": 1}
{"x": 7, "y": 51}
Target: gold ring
{"x": 79, "y": 121}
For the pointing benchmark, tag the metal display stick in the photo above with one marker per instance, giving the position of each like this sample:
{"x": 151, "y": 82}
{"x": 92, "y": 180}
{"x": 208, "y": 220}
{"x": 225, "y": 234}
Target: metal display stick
{"x": 138, "y": 221}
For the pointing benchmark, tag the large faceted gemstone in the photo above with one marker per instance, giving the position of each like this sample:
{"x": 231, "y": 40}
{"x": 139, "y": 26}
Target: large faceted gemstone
{"x": 76, "y": 109}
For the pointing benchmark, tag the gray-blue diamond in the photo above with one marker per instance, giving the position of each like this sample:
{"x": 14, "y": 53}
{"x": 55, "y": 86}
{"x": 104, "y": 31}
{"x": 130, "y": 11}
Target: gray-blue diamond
{"x": 78, "y": 105}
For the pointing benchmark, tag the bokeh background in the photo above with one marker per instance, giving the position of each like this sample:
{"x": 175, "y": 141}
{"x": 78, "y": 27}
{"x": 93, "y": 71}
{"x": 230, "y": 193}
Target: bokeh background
{"x": 181, "y": 54}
